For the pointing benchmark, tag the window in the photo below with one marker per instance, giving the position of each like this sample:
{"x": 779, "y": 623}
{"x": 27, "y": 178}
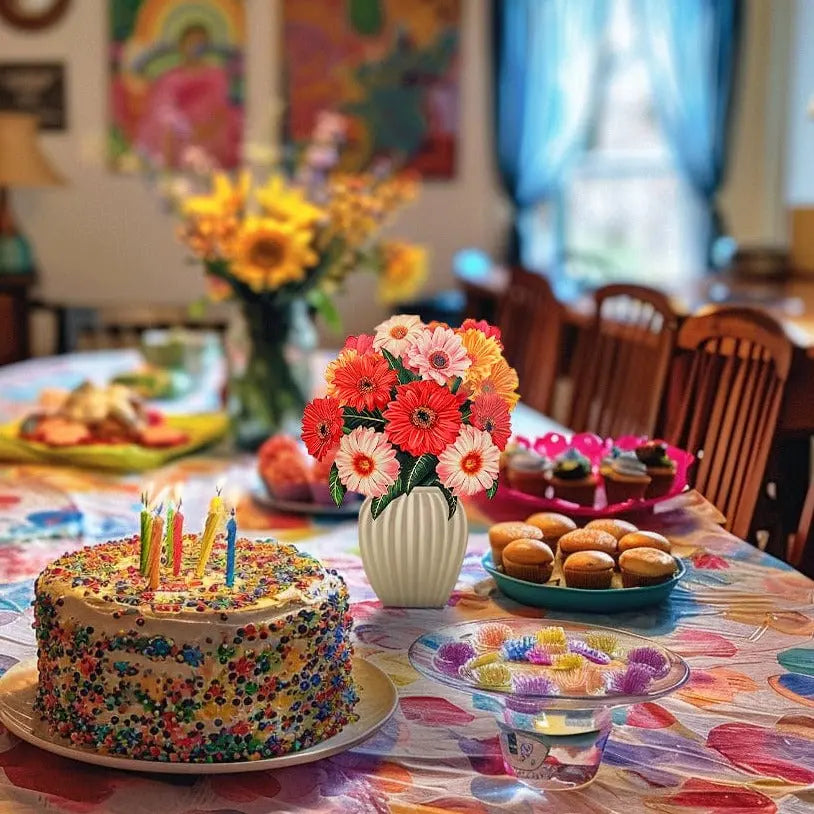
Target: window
{"x": 624, "y": 211}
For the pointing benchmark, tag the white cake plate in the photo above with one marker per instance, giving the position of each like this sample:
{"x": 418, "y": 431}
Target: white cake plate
{"x": 378, "y": 700}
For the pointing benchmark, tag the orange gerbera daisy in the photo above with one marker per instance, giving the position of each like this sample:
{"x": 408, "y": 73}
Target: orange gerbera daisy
{"x": 502, "y": 381}
{"x": 364, "y": 382}
{"x": 424, "y": 418}
{"x": 482, "y": 350}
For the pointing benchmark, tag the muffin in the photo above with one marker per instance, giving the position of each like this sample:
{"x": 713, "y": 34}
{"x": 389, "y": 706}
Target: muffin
{"x": 527, "y": 472}
{"x": 587, "y": 540}
{"x": 660, "y": 467}
{"x": 552, "y": 525}
{"x": 624, "y": 475}
{"x": 287, "y": 476}
{"x": 644, "y": 539}
{"x": 573, "y": 479}
{"x": 531, "y": 560}
{"x": 588, "y": 569}
{"x": 618, "y": 528}
{"x": 645, "y": 566}
{"x": 501, "y": 534}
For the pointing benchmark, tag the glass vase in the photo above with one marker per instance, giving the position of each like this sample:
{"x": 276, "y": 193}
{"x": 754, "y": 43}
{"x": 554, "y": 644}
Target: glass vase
{"x": 270, "y": 370}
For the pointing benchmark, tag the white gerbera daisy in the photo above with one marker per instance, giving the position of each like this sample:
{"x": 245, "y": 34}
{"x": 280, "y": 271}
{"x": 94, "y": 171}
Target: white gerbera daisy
{"x": 366, "y": 462}
{"x": 396, "y": 334}
{"x": 470, "y": 464}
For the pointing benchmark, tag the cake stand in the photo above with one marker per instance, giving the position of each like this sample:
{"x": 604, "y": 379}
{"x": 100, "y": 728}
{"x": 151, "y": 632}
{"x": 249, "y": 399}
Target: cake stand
{"x": 378, "y": 700}
{"x": 550, "y": 742}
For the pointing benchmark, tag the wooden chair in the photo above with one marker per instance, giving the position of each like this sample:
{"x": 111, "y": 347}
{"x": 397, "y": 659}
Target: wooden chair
{"x": 801, "y": 553}
{"x": 729, "y": 377}
{"x": 530, "y": 317}
{"x": 621, "y": 362}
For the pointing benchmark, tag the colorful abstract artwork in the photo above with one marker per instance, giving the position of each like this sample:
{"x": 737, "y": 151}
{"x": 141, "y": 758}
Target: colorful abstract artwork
{"x": 176, "y": 83}
{"x": 391, "y": 66}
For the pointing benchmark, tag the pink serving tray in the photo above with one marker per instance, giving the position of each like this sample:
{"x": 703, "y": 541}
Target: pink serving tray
{"x": 509, "y": 504}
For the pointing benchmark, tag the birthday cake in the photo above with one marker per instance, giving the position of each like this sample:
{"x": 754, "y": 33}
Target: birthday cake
{"x": 193, "y": 670}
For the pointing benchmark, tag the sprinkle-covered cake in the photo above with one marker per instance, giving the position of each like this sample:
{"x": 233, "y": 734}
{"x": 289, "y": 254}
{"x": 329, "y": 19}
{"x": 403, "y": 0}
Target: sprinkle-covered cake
{"x": 193, "y": 671}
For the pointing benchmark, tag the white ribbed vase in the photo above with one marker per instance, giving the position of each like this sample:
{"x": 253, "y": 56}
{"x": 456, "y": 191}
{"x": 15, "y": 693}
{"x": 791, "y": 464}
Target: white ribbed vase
{"x": 412, "y": 552}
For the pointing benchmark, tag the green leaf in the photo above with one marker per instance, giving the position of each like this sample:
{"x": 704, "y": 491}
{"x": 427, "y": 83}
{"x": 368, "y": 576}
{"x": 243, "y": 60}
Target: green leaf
{"x": 361, "y": 418}
{"x": 456, "y": 384}
{"x": 336, "y": 487}
{"x": 325, "y": 308}
{"x": 490, "y": 492}
{"x": 451, "y": 500}
{"x": 419, "y": 471}
{"x": 404, "y": 375}
{"x": 379, "y": 504}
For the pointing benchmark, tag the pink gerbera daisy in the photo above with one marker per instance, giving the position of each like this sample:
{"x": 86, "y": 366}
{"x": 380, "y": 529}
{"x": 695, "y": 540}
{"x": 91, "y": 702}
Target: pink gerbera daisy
{"x": 396, "y": 334}
{"x": 361, "y": 344}
{"x": 484, "y": 327}
{"x": 439, "y": 355}
{"x": 366, "y": 462}
{"x": 470, "y": 465}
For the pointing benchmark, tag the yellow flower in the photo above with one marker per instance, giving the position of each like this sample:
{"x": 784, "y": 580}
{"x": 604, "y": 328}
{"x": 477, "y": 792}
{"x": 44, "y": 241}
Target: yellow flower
{"x": 482, "y": 350}
{"x": 287, "y": 203}
{"x": 268, "y": 253}
{"x": 405, "y": 270}
{"x": 226, "y": 198}
{"x": 337, "y": 364}
{"x": 502, "y": 380}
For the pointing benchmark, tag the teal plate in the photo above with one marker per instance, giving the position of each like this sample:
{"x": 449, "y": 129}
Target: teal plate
{"x": 578, "y": 600}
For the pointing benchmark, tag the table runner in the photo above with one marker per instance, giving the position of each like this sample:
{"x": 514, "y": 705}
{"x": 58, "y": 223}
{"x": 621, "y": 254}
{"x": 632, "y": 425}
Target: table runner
{"x": 739, "y": 737}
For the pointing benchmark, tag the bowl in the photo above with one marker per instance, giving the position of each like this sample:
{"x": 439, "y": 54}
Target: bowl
{"x": 579, "y": 600}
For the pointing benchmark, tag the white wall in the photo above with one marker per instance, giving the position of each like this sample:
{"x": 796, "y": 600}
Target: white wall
{"x": 104, "y": 237}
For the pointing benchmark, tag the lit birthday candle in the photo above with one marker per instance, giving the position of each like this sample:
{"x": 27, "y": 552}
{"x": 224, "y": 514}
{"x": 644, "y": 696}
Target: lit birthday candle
{"x": 231, "y": 543}
{"x": 213, "y": 521}
{"x": 154, "y": 561}
{"x": 177, "y": 539}
{"x": 146, "y": 530}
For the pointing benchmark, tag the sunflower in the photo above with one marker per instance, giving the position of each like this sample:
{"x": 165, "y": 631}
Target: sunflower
{"x": 502, "y": 381}
{"x": 404, "y": 272}
{"x": 226, "y": 199}
{"x": 268, "y": 253}
{"x": 287, "y": 203}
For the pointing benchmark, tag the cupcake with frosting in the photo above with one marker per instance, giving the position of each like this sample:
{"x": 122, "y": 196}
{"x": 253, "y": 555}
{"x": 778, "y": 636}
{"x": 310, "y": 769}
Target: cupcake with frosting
{"x": 528, "y": 472}
{"x": 624, "y": 475}
{"x": 287, "y": 476}
{"x": 573, "y": 478}
{"x": 660, "y": 467}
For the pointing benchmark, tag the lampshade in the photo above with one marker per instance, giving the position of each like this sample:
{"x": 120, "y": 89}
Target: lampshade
{"x": 21, "y": 162}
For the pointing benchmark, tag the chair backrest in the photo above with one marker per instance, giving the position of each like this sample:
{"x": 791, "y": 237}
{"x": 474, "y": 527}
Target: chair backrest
{"x": 732, "y": 368}
{"x": 621, "y": 362}
{"x": 530, "y": 318}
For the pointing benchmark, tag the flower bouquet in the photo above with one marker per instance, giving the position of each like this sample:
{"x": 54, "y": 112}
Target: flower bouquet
{"x": 283, "y": 249}
{"x": 416, "y": 416}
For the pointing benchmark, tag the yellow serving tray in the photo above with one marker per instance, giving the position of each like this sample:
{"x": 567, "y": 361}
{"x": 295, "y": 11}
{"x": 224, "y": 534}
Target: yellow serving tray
{"x": 203, "y": 429}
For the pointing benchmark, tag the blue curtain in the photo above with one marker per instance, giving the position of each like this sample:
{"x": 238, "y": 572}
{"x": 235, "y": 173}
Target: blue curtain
{"x": 545, "y": 57}
{"x": 692, "y": 50}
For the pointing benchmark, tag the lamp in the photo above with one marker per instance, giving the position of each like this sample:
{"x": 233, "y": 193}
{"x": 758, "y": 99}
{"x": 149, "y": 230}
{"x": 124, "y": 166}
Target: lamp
{"x": 21, "y": 165}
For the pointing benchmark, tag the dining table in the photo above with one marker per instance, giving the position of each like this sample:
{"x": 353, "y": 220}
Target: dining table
{"x": 737, "y": 737}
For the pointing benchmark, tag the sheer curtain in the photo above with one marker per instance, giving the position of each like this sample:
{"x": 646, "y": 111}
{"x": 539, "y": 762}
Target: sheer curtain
{"x": 545, "y": 58}
{"x": 692, "y": 51}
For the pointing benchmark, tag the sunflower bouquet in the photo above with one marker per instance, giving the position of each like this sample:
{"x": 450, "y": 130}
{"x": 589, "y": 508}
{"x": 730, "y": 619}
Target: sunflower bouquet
{"x": 414, "y": 405}
{"x": 285, "y": 246}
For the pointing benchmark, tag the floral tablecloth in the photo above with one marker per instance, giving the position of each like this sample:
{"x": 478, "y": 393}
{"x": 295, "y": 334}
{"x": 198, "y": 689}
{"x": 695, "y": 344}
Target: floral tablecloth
{"x": 738, "y": 737}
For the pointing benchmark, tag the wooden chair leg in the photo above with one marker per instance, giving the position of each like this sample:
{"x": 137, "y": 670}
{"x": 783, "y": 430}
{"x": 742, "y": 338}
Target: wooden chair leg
{"x": 801, "y": 555}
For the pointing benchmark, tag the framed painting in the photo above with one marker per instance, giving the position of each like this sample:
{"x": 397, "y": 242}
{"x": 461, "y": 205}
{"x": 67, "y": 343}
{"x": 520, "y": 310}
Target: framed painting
{"x": 390, "y": 66}
{"x": 176, "y": 83}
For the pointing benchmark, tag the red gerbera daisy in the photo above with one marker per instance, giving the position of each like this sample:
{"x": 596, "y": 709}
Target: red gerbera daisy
{"x": 364, "y": 383}
{"x": 484, "y": 327}
{"x": 322, "y": 426}
{"x": 423, "y": 418}
{"x": 490, "y": 413}
{"x": 361, "y": 344}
